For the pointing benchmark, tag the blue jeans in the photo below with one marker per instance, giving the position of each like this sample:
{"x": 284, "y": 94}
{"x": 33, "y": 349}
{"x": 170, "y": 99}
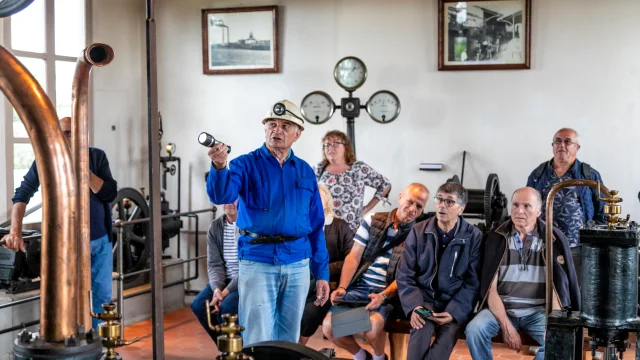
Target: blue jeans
{"x": 272, "y": 299}
{"x": 101, "y": 267}
{"x": 228, "y": 306}
{"x": 484, "y": 326}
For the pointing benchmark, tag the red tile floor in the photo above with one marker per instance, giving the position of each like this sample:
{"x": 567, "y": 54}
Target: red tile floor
{"x": 185, "y": 339}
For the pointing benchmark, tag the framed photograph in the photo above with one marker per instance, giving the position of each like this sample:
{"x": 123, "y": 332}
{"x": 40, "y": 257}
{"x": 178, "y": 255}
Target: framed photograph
{"x": 484, "y": 34}
{"x": 240, "y": 40}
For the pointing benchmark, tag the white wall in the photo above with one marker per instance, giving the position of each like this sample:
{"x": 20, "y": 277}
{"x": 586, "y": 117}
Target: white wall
{"x": 584, "y": 75}
{"x": 119, "y": 90}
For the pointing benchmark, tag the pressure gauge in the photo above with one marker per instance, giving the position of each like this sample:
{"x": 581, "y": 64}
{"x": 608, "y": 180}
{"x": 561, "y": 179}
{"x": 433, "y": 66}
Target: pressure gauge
{"x": 317, "y": 107}
{"x": 383, "y": 106}
{"x": 350, "y": 73}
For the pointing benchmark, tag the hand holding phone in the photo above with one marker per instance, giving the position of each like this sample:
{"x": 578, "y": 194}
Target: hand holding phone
{"x": 423, "y": 312}
{"x": 419, "y": 317}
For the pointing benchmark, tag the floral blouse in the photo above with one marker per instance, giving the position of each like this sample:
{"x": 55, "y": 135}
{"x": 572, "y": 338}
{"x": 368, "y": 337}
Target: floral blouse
{"x": 348, "y": 187}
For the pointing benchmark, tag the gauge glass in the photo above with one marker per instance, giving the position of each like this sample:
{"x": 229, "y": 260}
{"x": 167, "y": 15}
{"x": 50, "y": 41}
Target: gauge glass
{"x": 350, "y": 73}
{"x": 317, "y": 107}
{"x": 383, "y": 106}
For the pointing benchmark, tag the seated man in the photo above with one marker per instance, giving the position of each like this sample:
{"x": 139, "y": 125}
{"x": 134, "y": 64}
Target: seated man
{"x": 339, "y": 239}
{"x": 515, "y": 299}
{"x": 440, "y": 271}
{"x": 368, "y": 273}
{"x": 222, "y": 268}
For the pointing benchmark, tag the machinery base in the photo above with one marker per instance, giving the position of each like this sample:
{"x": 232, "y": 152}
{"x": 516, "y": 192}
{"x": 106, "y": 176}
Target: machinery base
{"x": 37, "y": 349}
{"x": 565, "y": 337}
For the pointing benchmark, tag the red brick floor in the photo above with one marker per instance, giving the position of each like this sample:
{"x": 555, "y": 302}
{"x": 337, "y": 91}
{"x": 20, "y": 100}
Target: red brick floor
{"x": 185, "y": 339}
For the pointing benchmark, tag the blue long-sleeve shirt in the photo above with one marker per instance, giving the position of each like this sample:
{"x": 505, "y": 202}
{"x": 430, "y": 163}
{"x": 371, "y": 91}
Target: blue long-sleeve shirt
{"x": 99, "y": 209}
{"x": 274, "y": 200}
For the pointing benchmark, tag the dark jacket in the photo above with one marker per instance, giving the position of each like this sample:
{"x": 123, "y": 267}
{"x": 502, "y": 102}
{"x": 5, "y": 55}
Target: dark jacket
{"x": 339, "y": 238}
{"x": 216, "y": 266}
{"x": 99, "y": 165}
{"x": 457, "y": 269}
{"x": 592, "y": 206}
{"x": 380, "y": 223}
{"x": 565, "y": 281}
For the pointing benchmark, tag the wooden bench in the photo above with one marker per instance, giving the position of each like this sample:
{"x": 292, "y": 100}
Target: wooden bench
{"x": 399, "y": 328}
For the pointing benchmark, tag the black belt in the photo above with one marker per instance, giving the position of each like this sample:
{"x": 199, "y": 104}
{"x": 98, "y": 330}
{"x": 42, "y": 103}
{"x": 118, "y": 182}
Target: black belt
{"x": 267, "y": 239}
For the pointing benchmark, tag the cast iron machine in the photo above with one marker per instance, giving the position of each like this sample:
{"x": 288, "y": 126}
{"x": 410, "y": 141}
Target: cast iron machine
{"x": 609, "y": 293}
{"x": 131, "y": 204}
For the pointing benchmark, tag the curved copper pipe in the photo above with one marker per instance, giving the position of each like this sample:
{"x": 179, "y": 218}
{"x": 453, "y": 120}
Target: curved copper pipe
{"x": 549, "y": 230}
{"x": 59, "y": 201}
{"x": 97, "y": 54}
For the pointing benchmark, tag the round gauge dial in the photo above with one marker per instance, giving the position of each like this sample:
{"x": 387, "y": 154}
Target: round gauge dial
{"x": 383, "y": 106}
{"x": 317, "y": 107}
{"x": 350, "y": 73}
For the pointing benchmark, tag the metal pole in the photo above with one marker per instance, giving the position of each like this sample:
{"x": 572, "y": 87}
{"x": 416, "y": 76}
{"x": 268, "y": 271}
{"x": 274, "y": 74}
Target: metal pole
{"x": 464, "y": 157}
{"x": 549, "y": 231}
{"x": 157, "y": 318}
{"x": 120, "y": 283}
{"x": 351, "y": 122}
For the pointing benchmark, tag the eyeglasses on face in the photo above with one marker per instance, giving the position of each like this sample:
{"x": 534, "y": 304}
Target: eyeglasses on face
{"x": 332, "y": 144}
{"x": 567, "y": 142}
{"x": 447, "y": 202}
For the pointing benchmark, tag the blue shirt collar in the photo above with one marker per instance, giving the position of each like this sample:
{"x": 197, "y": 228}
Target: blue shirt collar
{"x": 266, "y": 152}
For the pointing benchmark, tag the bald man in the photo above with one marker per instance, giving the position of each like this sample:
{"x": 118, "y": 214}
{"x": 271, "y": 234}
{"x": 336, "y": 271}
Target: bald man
{"x": 368, "y": 272}
{"x": 513, "y": 280}
{"x": 104, "y": 190}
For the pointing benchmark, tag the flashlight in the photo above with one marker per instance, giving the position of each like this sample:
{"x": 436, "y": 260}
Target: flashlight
{"x": 209, "y": 141}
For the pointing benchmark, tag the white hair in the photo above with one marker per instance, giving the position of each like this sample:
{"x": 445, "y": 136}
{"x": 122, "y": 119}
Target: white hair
{"x": 575, "y": 133}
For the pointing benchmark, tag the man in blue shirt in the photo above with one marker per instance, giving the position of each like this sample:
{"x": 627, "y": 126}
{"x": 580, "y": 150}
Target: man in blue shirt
{"x": 281, "y": 222}
{"x": 572, "y": 206}
{"x": 104, "y": 190}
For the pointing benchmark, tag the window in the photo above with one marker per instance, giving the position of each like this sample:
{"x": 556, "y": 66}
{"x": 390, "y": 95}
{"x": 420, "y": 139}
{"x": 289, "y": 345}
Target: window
{"x": 47, "y": 37}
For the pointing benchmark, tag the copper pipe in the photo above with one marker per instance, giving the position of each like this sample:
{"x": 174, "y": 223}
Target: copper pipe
{"x": 59, "y": 201}
{"x": 549, "y": 230}
{"x": 95, "y": 55}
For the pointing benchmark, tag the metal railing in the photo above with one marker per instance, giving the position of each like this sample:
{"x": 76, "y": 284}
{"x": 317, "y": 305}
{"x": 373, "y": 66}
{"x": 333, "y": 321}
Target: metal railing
{"x": 119, "y": 276}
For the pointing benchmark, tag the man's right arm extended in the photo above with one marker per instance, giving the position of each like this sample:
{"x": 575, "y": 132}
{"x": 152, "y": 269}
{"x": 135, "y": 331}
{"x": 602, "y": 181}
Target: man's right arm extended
{"x": 223, "y": 184}
{"x": 26, "y": 190}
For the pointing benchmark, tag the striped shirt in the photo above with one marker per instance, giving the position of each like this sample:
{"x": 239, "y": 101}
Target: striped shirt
{"x": 230, "y": 249}
{"x": 376, "y": 274}
{"x": 521, "y": 280}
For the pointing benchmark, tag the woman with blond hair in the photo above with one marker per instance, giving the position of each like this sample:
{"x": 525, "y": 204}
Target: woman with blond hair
{"x": 339, "y": 239}
{"x": 347, "y": 178}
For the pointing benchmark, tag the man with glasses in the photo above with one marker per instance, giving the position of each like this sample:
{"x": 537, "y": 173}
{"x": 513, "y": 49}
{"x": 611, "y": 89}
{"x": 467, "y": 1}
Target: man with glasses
{"x": 281, "y": 227}
{"x": 572, "y": 206}
{"x": 440, "y": 272}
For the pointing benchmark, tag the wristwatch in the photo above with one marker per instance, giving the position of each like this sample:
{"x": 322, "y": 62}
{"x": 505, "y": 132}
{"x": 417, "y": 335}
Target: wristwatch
{"x": 384, "y": 297}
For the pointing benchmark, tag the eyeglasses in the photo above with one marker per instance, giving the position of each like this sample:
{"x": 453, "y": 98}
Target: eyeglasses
{"x": 447, "y": 202}
{"x": 332, "y": 144}
{"x": 567, "y": 142}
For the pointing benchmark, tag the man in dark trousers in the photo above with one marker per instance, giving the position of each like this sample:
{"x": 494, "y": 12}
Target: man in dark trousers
{"x": 104, "y": 190}
{"x": 440, "y": 272}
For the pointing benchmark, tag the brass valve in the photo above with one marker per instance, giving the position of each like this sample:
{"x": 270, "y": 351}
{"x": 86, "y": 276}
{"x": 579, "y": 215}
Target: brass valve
{"x": 229, "y": 342}
{"x": 613, "y": 209}
{"x": 109, "y": 330}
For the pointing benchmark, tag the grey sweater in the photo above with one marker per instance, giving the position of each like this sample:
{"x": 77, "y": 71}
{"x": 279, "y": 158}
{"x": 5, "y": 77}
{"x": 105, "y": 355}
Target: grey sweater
{"x": 216, "y": 266}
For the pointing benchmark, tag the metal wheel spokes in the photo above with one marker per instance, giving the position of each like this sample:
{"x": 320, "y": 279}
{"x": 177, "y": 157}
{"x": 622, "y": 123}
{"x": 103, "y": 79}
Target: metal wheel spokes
{"x": 128, "y": 206}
